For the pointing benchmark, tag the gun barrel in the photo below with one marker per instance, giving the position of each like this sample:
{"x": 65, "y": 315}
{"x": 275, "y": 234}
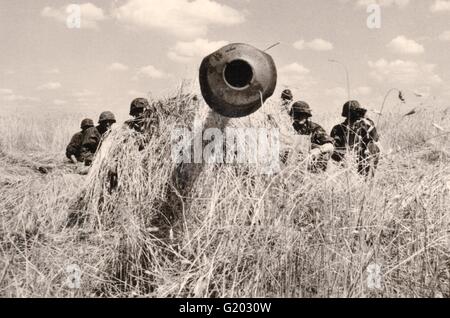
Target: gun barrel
{"x": 237, "y": 79}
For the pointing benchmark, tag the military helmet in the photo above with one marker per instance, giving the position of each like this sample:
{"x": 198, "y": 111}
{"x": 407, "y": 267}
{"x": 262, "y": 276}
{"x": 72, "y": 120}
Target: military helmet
{"x": 86, "y": 123}
{"x": 300, "y": 108}
{"x": 138, "y": 104}
{"x": 107, "y": 116}
{"x": 352, "y": 107}
{"x": 287, "y": 95}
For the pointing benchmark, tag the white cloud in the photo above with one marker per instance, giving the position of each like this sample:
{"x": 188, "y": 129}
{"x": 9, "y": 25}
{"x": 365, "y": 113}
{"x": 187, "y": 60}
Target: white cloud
{"x": 8, "y": 95}
{"x": 118, "y": 67}
{"x": 383, "y": 3}
{"x": 445, "y": 36}
{"x": 299, "y": 45}
{"x": 336, "y": 92}
{"x": 184, "y": 52}
{"x": 152, "y": 72}
{"x": 316, "y": 45}
{"x": 295, "y": 69}
{"x": 182, "y": 18}
{"x": 90, "y": 15}
{"x": 320, "y": 45}
{"x": 59, "y": 102}
{"x": 135, "y": 93}
{"x": 440, "y": 6}
{"x": 363, "y": 90}
{"x": 50, "y": 86}
{"x": 296, "y": 76}
{"x": 404, "y": 72}
{"x": 403, "y": 45}
{"x": 341, "y": 93}
{"x": 19, "y": 98}
{"x": 5, "y": 91}
{"x": 83, "y": 93}
{"x": 53, "y": 71}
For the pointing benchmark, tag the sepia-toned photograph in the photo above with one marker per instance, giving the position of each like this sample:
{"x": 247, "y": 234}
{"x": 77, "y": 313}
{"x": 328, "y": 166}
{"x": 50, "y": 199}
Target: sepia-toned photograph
{"x": 225, "y": 149}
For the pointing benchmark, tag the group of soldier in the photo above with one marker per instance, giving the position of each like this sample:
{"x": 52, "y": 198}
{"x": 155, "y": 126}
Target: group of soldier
{"x": 84, "y": 144}
{"x": 357, "y": 133}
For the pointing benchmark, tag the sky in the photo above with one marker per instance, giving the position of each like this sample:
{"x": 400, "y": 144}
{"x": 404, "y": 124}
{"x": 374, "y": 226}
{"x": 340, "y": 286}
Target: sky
{"x": 131, "y": 48}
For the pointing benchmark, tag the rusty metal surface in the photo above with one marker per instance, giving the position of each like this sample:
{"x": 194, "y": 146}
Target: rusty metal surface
{"x": 232, "y": 101}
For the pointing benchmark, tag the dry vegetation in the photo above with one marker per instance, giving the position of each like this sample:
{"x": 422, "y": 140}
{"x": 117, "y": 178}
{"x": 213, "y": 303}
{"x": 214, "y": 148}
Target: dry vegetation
{"x": 232, "y": 232}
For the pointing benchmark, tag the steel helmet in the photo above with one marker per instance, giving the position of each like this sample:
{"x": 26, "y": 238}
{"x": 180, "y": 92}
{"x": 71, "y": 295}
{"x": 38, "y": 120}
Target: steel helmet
{"x": 287, "y": 95}
{"x": 107, "y": 116}
{"x": 86, "y": 123}
{"x": 300, "y": 108}
{"x": 138, "y": 104}
{"x": 352, "y": 107}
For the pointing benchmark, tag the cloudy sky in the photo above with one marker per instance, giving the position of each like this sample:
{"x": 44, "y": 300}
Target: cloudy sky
{"x": 127, "y": 48}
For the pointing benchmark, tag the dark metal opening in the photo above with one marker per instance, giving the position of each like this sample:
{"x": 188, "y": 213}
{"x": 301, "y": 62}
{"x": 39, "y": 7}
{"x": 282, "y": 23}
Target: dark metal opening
{"x": 238, "y": 74}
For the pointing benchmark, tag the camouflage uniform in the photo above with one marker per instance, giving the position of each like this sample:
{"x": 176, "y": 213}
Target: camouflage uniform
{"x": 357, "y": 133}
{"x": 318, "y": 135}
{"x": 343, "y": 136}
{"x": 144, "y": 121}
{"x": 75, "y": 145}
{"x": 367, "y": 149}
{"x": 286, "y": 97}
{"x": 93, "y": 136}
{"x": 137, "y": 109}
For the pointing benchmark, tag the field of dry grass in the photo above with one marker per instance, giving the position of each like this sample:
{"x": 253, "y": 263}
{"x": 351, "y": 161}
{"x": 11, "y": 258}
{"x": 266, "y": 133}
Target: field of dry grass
{"x": 235, "y": 233}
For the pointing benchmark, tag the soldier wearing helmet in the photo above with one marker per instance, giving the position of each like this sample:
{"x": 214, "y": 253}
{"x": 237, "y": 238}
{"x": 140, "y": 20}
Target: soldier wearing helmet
{"x": 105, "y": 121}
{"x": 286, "y": 97}
{"x": 357, "y": 133}
{"x": 137, "y": 109}
{"x": 145, "y": 120}
{"x": 321, "y": 143}
{"x": 344, "y": 134}
{"x": 93, "y": 136}
{"x": 73, "y": 149}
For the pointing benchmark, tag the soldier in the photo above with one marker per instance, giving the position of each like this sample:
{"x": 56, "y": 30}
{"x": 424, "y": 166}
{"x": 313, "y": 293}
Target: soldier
{"x": 73, "y": 150}
{"x": 93, "y": 136}
{"x": 286, "y": 98}
{"x": 368, "y": 150}
{"x": 321, "y": 143}
{"x": 145, "y": 120}
{"x": 137, "y": 109}
{"x": 357, "y": 133}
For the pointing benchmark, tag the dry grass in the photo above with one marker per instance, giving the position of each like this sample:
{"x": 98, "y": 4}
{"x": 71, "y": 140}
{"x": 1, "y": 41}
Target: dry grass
{"x": 231, "y": 232}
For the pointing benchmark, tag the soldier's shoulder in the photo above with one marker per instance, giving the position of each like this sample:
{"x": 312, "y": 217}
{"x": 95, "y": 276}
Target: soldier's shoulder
{"x": 91, "y": 131}
{"x": 365, "y": 122}
{"x": 316, "y": 127}
{"x": 339, "y": 126}
{"x": 336, "y": 127}
{"x": 370, "y": 121}
{"x": 77, "y": 135}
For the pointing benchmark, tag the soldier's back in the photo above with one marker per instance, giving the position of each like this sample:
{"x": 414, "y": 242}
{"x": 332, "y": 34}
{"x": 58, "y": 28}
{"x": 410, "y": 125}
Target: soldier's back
{"x": 74, "y": 146}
